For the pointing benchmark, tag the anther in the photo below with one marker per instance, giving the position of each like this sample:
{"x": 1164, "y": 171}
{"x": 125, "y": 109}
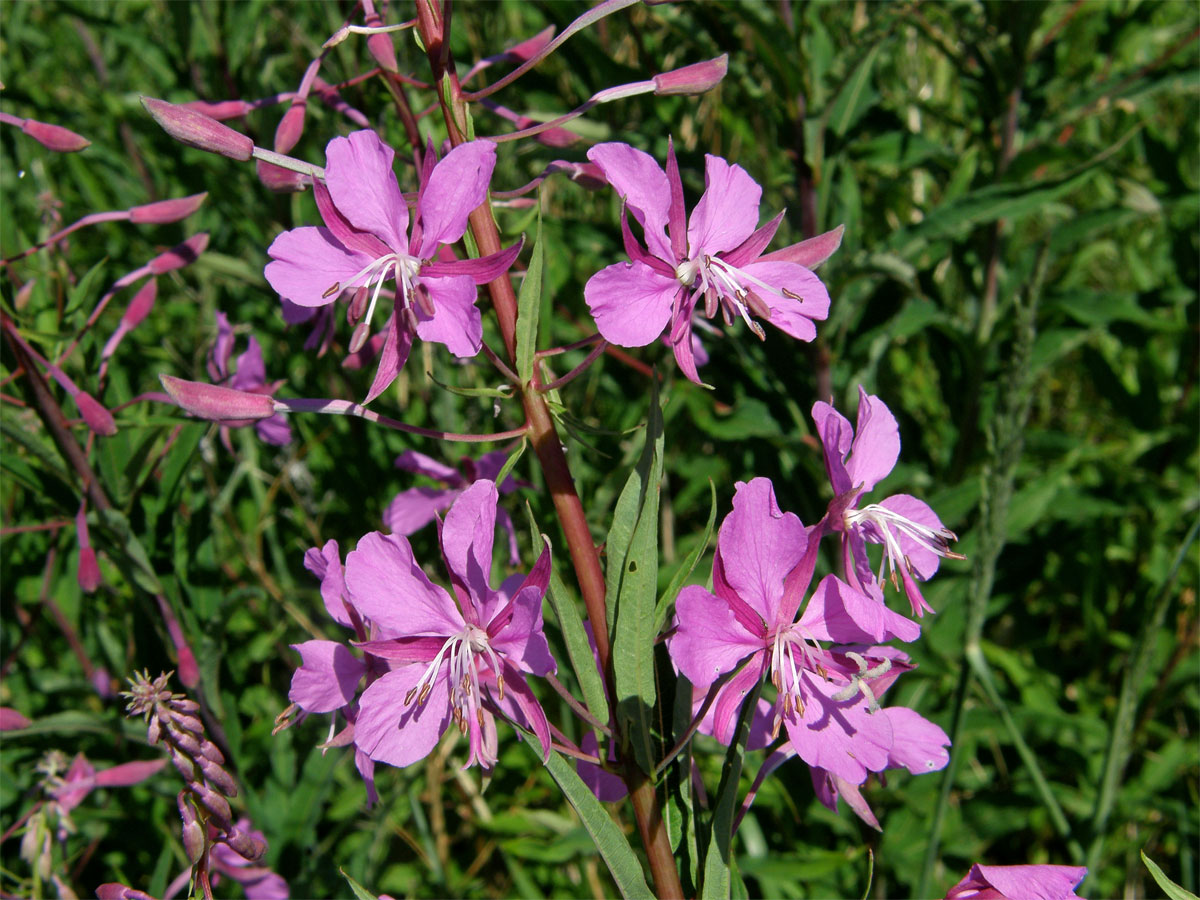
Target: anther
{"x": 331, "y": 290}
{"x": 791, "y": 295}
{"x": 359, "y": 336}
{"x": 500, "y": 684}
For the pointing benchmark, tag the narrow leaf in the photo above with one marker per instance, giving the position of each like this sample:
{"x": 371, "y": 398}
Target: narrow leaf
{"x": 855, "y": 97}
{"x": 529, "y": 307}
{"x": 631, "y": 584}
{"x": 360, "y": 892}
{"x": 1170, "y": 888}
{"x": 614, "y": 849}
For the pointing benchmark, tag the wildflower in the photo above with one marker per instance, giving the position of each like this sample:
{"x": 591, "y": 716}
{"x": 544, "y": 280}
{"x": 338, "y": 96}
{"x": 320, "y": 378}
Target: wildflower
{"x": 762, "y": 568}
{"x": 913, "y": 537}
{"x": 249, "y": 375}
{"x": 1019, "y": 883}
{"x": 464, "y": 661}
{"x": 413, "y": 509}
{"x": 713, "y": 263}
{"x": 367, "y": 241}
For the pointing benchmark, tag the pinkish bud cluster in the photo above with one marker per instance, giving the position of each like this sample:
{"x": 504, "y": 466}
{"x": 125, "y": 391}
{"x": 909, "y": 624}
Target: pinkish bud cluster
{"x": 173, "y": 721}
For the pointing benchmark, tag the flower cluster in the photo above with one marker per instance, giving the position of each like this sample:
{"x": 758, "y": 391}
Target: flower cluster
{"x": 429, "y": 658}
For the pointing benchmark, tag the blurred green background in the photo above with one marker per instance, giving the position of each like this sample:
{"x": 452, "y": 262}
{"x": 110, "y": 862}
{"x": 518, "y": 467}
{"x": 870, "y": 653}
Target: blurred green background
{"x": 1017, "y": 281}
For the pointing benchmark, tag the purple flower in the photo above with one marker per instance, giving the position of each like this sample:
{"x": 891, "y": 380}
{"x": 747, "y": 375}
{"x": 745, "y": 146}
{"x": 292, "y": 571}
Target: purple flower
{"x": 1019, "y": 883}
{"x": 366, "y": 241}
{"x": 761, "y": 571}
{"x": 249, "y": 375}
{"x": 413, "y": 509}
{"x": 464, "y": 658}
{"x": 913, "y": 537}
{"x": 713, "y": 262}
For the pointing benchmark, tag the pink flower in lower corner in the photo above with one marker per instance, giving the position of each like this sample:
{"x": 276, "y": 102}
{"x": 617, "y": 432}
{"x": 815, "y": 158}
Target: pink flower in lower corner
{"x": 367, "y": 240}
{"x": 712, "y": 262}
{"x": 462, "y": 658}
{"x": 913, "y": 537}
{"x": 753, "y": 625}
{"x": 1019, "y": 883}
{"x": 413, "y": 509}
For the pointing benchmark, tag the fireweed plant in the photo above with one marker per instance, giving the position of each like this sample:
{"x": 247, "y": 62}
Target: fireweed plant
{"x": 789, "y": 648}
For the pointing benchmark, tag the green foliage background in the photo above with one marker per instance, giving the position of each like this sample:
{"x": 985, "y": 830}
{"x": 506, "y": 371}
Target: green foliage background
{"x": 1018, "y": 281}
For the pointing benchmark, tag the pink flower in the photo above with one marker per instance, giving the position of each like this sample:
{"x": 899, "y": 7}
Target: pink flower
{"x": 913, "y": 537}
{"x": 367, "y": 241}
{"x": 1019, "y": 883}
{"x": 413, "y": 509}
{"x": 249, "y": 375}
{"x": 711, "y": 263}
{"x": 761, "y": 571}
{"x": 463, "y": 659}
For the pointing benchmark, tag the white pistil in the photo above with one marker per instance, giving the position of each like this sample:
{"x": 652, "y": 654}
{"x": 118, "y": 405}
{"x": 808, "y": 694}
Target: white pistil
{"x": 402, "y": 267}
{"x": 858, "y": 684}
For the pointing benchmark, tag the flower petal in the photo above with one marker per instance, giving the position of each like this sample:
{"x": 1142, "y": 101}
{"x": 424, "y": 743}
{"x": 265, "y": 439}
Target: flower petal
{"x": 326, "y": 564}
{"x": 837, "y": 612}
{"x": 412, "y": 510}
{"x": 641, "y": 182}
{"x": 399, "y": 734}
{"x": 839, "y": 736}
{"x": 358, "y": 171}
{"x": 759, "y": 545}
{"x": 630, "y": 302}
{"x": 727, "y": 213}
{"x": 412, "y": 461}
{"x": 327, "y": 678}
{"x": 396, "y": 345}
{"x": 456, "y": 321}
{"x": 917, "y": 744}
{"x": 876, "y": 442}
{"x": 791, "y": 316}
{"x": 387, "y": 586}
{"x": 467, "y": 537}
{"x": 251, "y": 371}
{"x": 458, "y": 185}
{"x": 521, "y": 707}
{"x": 708, "y": 640}
{"x": 310, "y": 268}
{"x": 837, "y": 436}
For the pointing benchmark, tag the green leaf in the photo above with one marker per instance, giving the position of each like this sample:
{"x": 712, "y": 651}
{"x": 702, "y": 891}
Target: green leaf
{"x": 614, "y": 849}
{"x": 1170, "y": 888}
{"x": 574, "y": 636}
{"x": 855, "y": 97}
{"x": 718, "y": 857}
{"x": 360, "y": 892}
{"x": 86, "y": 287}
{"x": 686, "y": 567}
{"x": 631, "y": 585}
{"x": 504, "y": 391}
{"x": 529, "y": 306}
{"x": 506, "y": 469}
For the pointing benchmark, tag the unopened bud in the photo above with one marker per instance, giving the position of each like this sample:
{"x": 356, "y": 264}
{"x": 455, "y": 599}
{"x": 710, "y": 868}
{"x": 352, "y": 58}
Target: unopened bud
{"x": 11, "y": 720}
{"x": 114, "y": 890}
{"x": 55, "y": 137}
{"x": 98, "y": 418}
{"x": 194, "y": 843}
{"x": 291, "y": 126}
{"x": 587, "y": 175}
{"x": 694, "y": 79}
{"x": 220, "y": 109}
{"x": 218, "y": 777}
{"x": 530, "y": 47}
{"x": 214, "y": 803}
{"x": 218, "y": 404}
{"x": 154, "y": 731}
{"x": 278, "y": 179}
{"x": 180, "y": 255}
{"x": 209, "y": 750}
{"x": 166, "y": 211}
{"x": 89, "y": 571}
{"x": 198, "y": 130}
{"x": 141, "y": 304}
{"x": 245, "y": 844}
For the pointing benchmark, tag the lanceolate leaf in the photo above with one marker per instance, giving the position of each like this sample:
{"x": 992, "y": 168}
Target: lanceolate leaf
{"x": 632, "y": 586}
{"x": 614, "y": 849}
{"x": 529, "y": 306}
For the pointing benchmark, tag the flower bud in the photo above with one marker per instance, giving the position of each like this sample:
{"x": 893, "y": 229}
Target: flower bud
{"x": 198, "y": 130}
{"x": 694, "y": 79}
{"x": 166, "y": 211}
{"x": 89, "y": 570}
{"x": 278, "y": 179}
{"x": 98, "y": 418}
{"x": 180, "y": 255}
{"x": 214, "y": 803}
{"x": 221, "y": 110}
{"x": 209, "y": 750}
{"x": 218, "y": 404}
{"x": 116, "y": 891}
{"x": 194, "y": 843}
{"x": 247, "y": 845}
{"x": 218, "y": 777}
{"x": 11, "y": 720}
{"x": 141, "y": 304}
{"x": 54, "y": 137}
{"x": 291, "y": 126}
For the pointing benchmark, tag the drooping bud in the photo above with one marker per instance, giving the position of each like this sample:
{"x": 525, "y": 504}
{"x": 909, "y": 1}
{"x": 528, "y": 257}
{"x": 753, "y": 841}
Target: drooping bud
{"x": 694, "y": 79}
{"x": 278, "y": 179}
{"x": 166, "y": 211}
{"x": 221, "y": 110}
{"x": 180, "y": 255}
{"x": 89, "y": 569}
{"x": 55, "y": 137}
{"x": 380, "y": 43}
{"x": 194, "y": 843}
{"x": 245, "y": 844}
{"x": 218, "y": 404}
{"x": 291, "y": 126}
{"x": 98, "y": 418}
{"x": 213, "y": 802}
{"x": 141, "y": 304}
{"x": 198, "y": 130}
